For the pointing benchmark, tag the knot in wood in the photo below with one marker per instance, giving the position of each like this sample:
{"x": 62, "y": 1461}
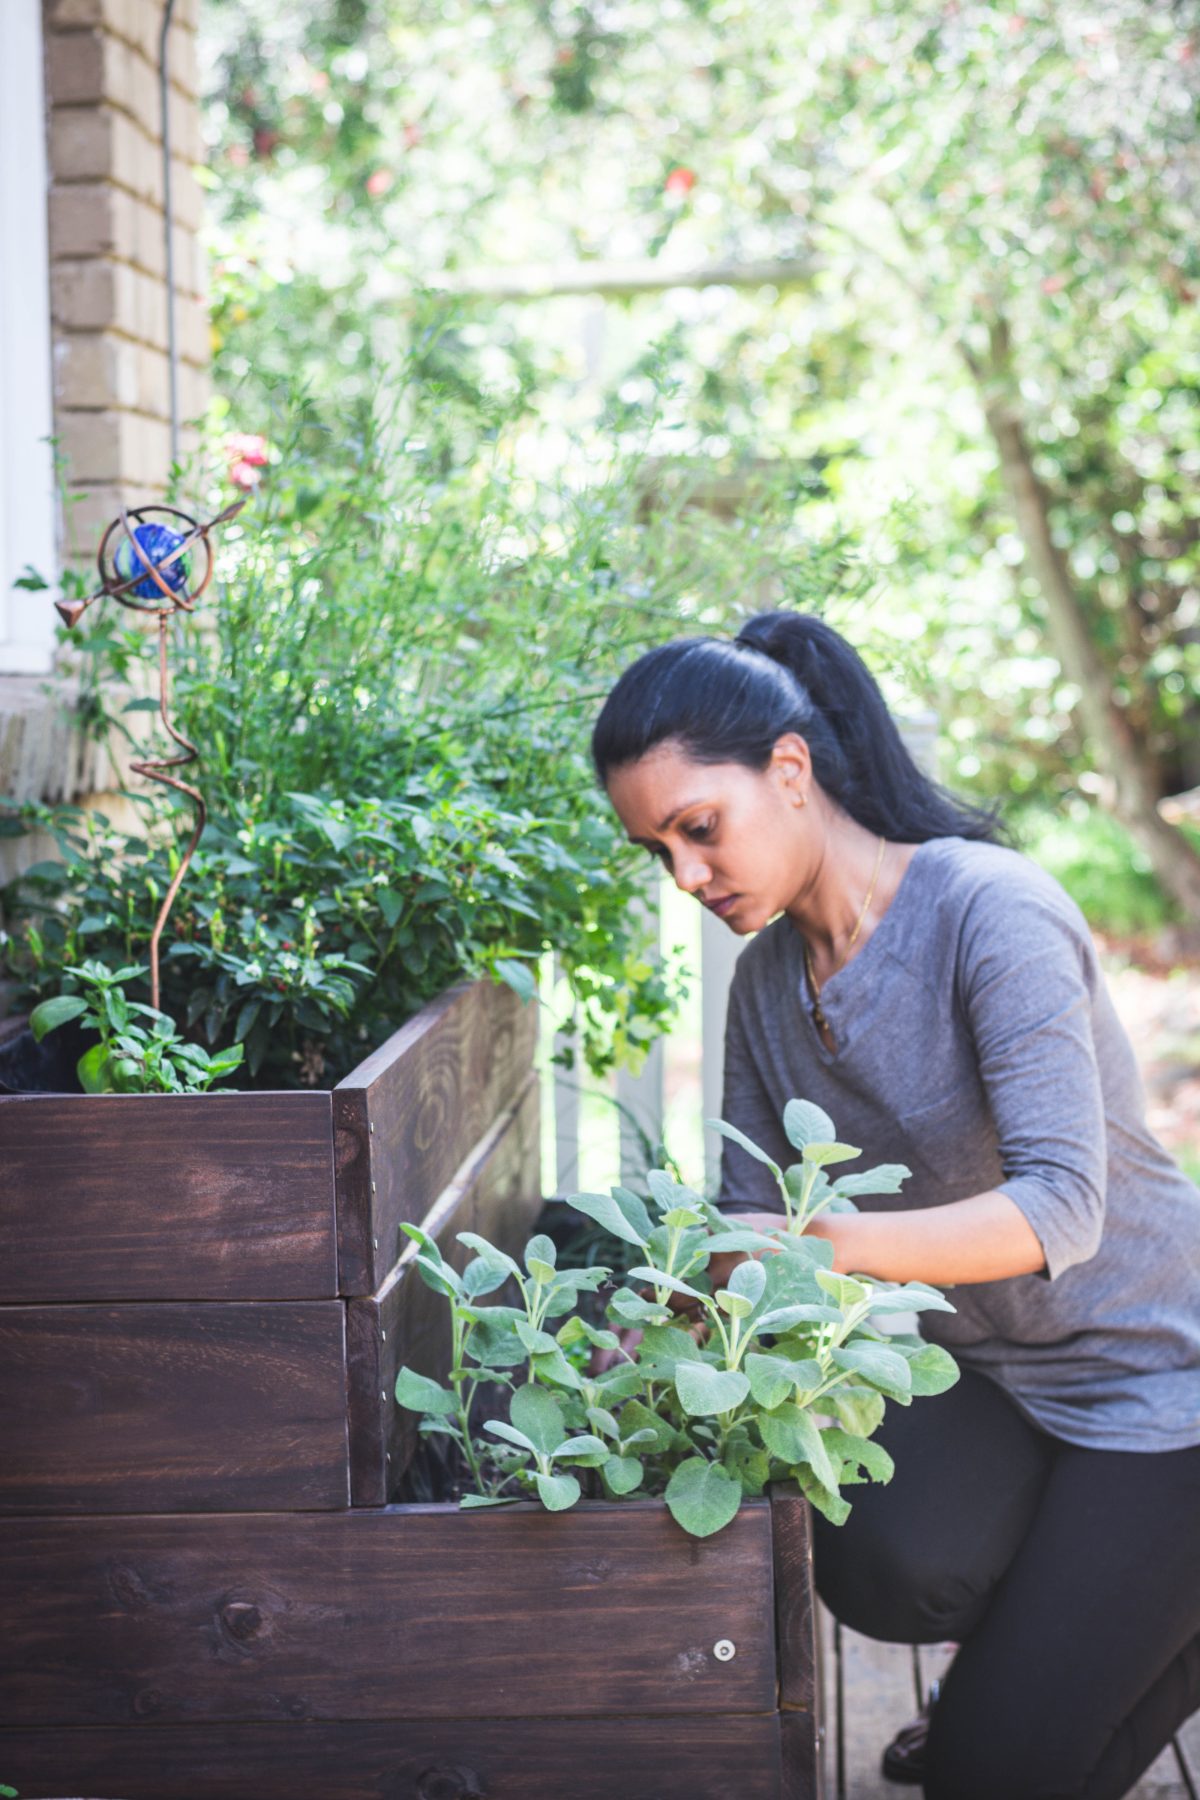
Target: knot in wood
{"x": 445, "y": 1783}
{"x": 242, "y": 1620}
{"x": 147, "y": 1703}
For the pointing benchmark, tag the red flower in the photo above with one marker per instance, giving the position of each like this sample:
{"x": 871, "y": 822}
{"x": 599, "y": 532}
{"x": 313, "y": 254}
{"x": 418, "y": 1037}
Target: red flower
{"x": 247, "y": 452}
{"x": 379, "y": 182}
{"x": 680, "y": 180}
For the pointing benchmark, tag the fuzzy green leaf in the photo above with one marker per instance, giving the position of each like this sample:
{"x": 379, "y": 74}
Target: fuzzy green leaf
{"x": 420, "y": 1394}
{"x": 551, "y": 1365}
{"x": 622, "y": 1474}
{"x": 537, "y": 1413}
{"x": 773, "y": 1378}
{"x": 931, "y": 1369}
{"x": 858, "y": 1453}
{"x": 793, "y": 1436}
{"x": 702, "y": 1497}
{"x": 704, "y": 1391}
{"x": 821, "y": 1155}
{"x": 875, "y": 1363}
{"x": 604, "y": 1210}
{"x": 888, "y": 1178}
{"x": 805, "y": 1123}
{"x": 489, "y": 1253}
{"x": 558, "y": 1492}
{"x": 744, "y": 1143}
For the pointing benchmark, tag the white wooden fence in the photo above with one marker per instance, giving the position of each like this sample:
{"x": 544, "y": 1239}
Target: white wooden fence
{"x": 640, "y": 1098}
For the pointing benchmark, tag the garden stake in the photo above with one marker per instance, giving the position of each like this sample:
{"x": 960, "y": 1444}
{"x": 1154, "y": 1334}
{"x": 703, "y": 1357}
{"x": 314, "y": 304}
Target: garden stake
{"x": 150, "y": 571}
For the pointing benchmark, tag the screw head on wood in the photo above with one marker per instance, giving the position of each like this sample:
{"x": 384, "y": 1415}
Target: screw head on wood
{"x": 724, "y": 1650}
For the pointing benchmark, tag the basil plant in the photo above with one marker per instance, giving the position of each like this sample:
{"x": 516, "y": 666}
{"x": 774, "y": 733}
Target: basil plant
{"x": 789, "y": 1383}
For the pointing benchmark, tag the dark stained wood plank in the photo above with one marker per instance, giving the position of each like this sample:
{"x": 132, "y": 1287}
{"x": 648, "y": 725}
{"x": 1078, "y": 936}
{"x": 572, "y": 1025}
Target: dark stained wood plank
{"x": 404, "y": 1612}
{"x": 497, "y": 1194}
{"x": 733, "y": 1758}
{"x": 167, "y": 1197}
{"x": 173, "y": 1405}
{"x": 795, "y": 1623}
{"x": 406, "y": 1118}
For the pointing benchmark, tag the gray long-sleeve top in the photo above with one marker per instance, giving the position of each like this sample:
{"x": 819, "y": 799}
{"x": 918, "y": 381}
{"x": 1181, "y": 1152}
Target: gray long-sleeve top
{"x": 977, "y": 1043}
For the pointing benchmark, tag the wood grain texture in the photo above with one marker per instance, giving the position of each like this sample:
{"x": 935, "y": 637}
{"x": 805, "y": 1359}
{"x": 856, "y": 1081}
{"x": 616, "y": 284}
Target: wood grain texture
{"x": 731, "y": 1758}
{"x": 404, "y": 1612}
{"x": 796, "y": 1646}
{"x": 496, "y": 1193}
{"x": 406, "y": 1118}
{"x": 166, "y": 1197}
{"x": 173, "y": 1405}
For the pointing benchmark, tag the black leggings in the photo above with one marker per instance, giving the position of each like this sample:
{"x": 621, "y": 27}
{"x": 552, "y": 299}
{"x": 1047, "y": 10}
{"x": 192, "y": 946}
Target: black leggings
{"x": 1070, "y": 1577}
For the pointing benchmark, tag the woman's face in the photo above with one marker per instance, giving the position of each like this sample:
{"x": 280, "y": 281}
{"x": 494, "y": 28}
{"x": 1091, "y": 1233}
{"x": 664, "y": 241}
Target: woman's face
{"x": 734, "y": 837}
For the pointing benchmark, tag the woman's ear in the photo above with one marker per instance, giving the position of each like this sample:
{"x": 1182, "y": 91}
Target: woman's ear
{"x": 791, "y": 767}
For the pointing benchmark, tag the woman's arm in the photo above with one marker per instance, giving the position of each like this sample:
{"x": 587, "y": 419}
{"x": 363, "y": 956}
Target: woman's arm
{"x": 984, "y": 1238}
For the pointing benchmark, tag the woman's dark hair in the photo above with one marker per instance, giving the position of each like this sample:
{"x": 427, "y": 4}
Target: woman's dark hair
{"x": 727, "y": 700}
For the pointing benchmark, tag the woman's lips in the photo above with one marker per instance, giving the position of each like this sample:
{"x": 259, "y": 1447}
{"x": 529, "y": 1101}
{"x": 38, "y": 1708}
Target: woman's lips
{"x": 722, "y": 907}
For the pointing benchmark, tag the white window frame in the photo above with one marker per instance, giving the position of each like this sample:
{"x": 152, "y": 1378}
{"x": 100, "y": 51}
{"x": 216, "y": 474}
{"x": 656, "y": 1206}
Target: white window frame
{"x": 28, "y": 501}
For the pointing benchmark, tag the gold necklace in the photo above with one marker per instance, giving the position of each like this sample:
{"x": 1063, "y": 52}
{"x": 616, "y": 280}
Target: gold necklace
{"x": 818, "y": 1012}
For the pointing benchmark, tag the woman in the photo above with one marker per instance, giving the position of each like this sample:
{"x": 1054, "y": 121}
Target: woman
{"x": 939, "y": 996}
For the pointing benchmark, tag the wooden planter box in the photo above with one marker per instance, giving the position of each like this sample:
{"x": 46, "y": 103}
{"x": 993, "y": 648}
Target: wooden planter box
{"x": 206, "y": 1594}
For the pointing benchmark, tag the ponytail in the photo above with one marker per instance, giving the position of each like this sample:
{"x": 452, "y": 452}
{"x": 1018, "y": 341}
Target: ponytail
{"x": 731, "y": 701}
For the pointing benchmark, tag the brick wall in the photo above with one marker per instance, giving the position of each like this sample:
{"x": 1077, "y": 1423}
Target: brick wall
{"x": 107, "y": 249}
{"x": 108, "y": 307}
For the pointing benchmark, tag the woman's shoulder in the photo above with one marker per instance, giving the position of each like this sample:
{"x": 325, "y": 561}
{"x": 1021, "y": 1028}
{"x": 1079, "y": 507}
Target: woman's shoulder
{"x": 986, "y": 895}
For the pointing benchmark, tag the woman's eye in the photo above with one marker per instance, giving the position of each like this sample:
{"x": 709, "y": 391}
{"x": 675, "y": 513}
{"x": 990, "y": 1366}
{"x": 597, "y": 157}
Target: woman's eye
{"x": 703, "y": 830}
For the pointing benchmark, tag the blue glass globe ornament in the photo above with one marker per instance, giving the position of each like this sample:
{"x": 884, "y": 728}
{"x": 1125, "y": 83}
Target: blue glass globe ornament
{"x": 159, "y": 545}
{"x": 162, "y": 562}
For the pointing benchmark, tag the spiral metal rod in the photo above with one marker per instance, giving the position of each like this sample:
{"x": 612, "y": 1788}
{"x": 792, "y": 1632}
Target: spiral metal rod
{"x": 148, "y": 570}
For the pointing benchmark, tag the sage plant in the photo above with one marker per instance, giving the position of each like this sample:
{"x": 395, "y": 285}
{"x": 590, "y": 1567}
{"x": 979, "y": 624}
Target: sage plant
{"x": 790, "y": 1383}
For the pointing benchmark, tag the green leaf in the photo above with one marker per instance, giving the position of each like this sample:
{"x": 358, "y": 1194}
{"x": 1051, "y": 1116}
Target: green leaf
{"x": 496, "y": 1258}
{"x": 830, "y": 1504}
{"x": 536, "y": 1342}
{"x": 53, "y": 1013}
{"x": 914, "y": 1296}
{"x": 702, "y": 1497}
{"x": 880, "y": 1368}
{"x": 736, "y": 1305}
{"x": 635, "y": 1210}
{"x": 558, "y": 1492}
{"x": 821, "y": 1155}
{"x": 509, "y": 1433}
{"x": 95, "y": 1075}
{"x": 474, "y": 1501}
{"x": 660, "y": 1278}
{"x": 552, "y": 1365}
{"x": 773, "y": 1378}
{"x": 888, "y": 1178}
{"x": 932, "y": 1370}
{"x": 481, "y": 1277}
{"x": 859, "y": 1453}
{"x": 622, "y": 1474}
{"x": 861, "y": 1410}
{"x": 538, "y": 1414}
{"x": 806, "y": 1124}
{"x": 520, "y": 978}
{"x": 588, "y": 1450}
{"x": 749, "y": 1281}
{"x": 843, "y": 1289}
{"x": 783, "y": 1318}
{"x": 390, "y": 904}
{"x": 704, "y": 1391}
{"x": 743, "y": 1142}
{"x": 578, "y": 1330}
{"x": 793, "y": 1435}
{"x": 422, "y": 1395}
{"x": 637, "y": 1417}
{"x": 680, "y": 1217}
{"x": 606, "y": 1212}
{"x": 633, "y": 1310}
{"x": 736, "y": 1243}
{"x": 540, "y": 1258}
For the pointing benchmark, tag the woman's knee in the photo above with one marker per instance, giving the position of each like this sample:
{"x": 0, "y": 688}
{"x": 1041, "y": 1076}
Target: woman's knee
{"x": 900, "y": 1588}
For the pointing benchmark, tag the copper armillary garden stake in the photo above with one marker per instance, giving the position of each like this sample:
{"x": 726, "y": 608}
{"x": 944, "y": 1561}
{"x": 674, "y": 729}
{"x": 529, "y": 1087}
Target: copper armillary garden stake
{"x": 150, "y": 570}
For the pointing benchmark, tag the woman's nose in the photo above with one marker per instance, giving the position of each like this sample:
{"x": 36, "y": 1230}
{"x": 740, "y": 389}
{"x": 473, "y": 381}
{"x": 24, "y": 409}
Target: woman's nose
{"x": 691, "y": 874}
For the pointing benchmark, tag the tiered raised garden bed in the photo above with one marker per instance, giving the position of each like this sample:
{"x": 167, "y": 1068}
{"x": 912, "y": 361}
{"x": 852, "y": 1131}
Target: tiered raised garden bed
{"x": 206, "y": 1594}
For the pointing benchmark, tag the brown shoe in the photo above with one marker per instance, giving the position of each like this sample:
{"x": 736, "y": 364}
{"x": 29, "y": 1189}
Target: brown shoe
{"x": 904, "y": 1758}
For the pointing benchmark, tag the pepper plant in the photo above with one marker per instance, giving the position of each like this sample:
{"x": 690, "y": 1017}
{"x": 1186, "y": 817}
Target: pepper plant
{"x": 129, "y": 1056}
{"x": 790, "y": 1382}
